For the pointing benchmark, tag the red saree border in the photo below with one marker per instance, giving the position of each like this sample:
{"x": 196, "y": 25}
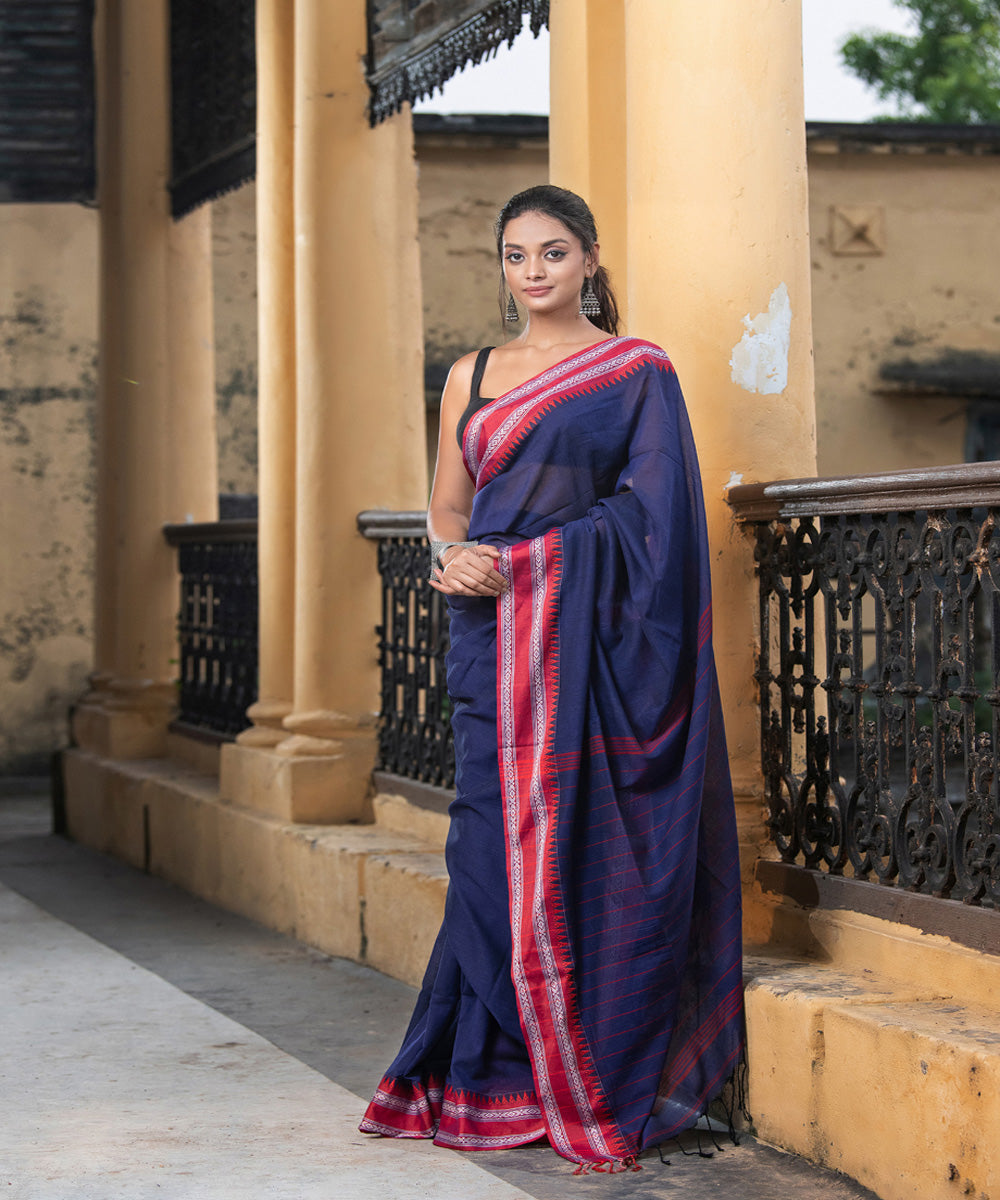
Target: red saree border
{"x": 460, "y": 1120}
{"x": 578, "y": 1117}
{"x": 496, "y": 429}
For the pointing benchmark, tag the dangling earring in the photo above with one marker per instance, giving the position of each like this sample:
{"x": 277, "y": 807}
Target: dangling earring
{"x": 590, "y": 306}
{"x": 511, "y": 314}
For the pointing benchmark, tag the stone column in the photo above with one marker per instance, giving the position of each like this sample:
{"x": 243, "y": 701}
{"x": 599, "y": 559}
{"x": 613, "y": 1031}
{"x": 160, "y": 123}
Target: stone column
{"x": 275, "y": 371}
{"x": 359, "y": 415}
{"x": 718, "y": 273}
{"x": 156, "y": 459}
{"x": 107, "y": 56}
{"x": 587, "y": 119}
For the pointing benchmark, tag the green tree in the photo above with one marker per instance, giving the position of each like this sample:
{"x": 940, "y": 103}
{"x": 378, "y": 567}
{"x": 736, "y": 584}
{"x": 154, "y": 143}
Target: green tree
{"x": 948, "y": 71}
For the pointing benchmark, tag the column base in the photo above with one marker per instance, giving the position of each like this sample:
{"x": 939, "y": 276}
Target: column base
{"x": 751, "y": 830}
{"x": 321, "y": 789}
{"x": 268, "y": 729}
{"x": 121, "y": 719}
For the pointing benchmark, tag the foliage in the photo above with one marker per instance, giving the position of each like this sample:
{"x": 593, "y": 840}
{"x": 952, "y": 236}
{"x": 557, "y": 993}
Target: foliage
{"x": 948, "y": 71}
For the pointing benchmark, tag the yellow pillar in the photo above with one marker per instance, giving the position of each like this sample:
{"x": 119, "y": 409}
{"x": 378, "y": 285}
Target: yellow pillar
{"x": 359, "y": 415}
{"x": 275, "y": 371}
{"x": 719, "y": 274}
{"x": 715, "y": 237}
{"x": 107, "y": 56}
{"x": 588, "y": 119}
{"x": 157, "y": 445}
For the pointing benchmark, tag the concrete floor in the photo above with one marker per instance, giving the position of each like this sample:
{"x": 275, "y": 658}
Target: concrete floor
{"x": 153, "y": 1045}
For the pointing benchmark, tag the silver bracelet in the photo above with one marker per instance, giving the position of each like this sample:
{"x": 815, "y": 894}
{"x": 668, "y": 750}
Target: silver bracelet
{"x": 438, "y": 548}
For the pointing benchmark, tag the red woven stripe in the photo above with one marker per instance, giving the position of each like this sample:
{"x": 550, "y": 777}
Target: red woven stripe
{"x": 463, "y": 1120}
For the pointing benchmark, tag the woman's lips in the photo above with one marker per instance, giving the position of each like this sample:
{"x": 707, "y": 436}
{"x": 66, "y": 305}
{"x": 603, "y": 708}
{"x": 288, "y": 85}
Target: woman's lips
{"x": 537, "y": 291}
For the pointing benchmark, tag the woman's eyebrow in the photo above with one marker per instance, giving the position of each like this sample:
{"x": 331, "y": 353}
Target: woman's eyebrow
{"x": 545, "y": 245}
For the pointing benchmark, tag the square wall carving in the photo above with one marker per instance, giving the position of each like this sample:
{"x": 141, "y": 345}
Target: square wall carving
{"x": 857, "y": 230}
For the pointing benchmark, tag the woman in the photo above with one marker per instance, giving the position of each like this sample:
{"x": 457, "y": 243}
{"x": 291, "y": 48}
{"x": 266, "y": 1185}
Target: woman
{"x": 586, "y": 984}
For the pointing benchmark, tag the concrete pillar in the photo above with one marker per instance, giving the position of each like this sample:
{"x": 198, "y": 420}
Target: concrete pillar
{"x": 157, "y": 443}
{"x": 107, "y": 56}
{"x": 275, "y": 371}
{"x": 359, "y": 415}
{"x": 588, "y": 120}
{"x": 718, "y": 273}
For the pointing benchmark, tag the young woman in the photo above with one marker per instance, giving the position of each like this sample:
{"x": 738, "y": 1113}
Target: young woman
{"x": 586, "y": 985}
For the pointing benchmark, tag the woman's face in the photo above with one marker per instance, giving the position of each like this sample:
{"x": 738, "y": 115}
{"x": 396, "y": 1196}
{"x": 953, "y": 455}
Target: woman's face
{"x": 544, "y": 264}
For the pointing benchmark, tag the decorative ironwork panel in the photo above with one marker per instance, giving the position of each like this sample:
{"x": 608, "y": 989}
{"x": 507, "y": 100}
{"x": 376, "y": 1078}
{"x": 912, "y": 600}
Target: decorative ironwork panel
{"x": 414, "y": 738}
{"x": 414, "y": 723}
{"x": 879, "y": 680}
{"x": 213, "y": 89}
{"x": 416, "y": 46}
{"x": 217, "y": 624}
{"x": 46, "y": 100}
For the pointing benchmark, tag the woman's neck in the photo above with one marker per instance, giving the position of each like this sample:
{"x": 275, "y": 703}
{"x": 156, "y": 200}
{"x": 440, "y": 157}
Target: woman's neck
{"x": 543, "y": 332}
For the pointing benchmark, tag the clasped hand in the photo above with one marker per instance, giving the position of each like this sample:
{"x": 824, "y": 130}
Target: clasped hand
{"x": 469, "y": 571}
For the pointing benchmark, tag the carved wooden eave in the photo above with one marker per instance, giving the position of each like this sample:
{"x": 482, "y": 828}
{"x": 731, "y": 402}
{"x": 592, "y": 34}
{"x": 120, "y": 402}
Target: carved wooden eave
{"x": 416, "y": 46}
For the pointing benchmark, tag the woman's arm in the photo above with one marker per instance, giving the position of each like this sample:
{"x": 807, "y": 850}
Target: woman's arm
{"x": 465, "y": 570}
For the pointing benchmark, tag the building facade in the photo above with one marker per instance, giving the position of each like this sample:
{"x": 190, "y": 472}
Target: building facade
{"x": 711, "y": 252}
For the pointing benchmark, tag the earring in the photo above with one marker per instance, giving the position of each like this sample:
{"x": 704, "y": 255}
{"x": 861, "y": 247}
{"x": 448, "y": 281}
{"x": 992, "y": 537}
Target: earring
{"x": 590, "y": 306}
{"x": 511, "y": 314}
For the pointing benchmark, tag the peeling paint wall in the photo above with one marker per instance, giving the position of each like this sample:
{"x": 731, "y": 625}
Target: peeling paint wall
{"x": 905, "y": 263}
{"x": 234, "y": 270}
{"x": 48, "y": 380}
{"x": 48, "y": 336}
{"x": 760, "y": 358}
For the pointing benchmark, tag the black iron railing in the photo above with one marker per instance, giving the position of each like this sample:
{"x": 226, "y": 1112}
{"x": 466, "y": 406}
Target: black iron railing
{"x": 414, "y": 739}
{"x": 879, "y": 674}
{"x": 216, "y": 625}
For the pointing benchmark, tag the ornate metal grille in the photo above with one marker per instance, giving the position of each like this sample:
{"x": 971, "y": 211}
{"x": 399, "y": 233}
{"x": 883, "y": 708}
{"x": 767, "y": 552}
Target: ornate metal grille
{"x": 216, "y": 625}
{"x": 414, "y": 738}
{"x": 416, "y": 46}
{"x": 213, "y": 99}
{"x": 879, "y": 675}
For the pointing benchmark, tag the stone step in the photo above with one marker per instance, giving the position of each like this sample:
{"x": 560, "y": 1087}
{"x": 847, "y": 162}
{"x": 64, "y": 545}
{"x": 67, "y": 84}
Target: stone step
{"x": 399, "y": 814}
{"x": 371, "y": 893}
{"x": 896, "y": 1085}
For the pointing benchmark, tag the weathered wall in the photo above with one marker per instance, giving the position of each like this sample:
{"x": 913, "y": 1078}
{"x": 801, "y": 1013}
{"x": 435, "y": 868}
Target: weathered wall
{"x": 234, "y": 269}
{"x": 48, "y": 368}
{"x": 48, "y": 329}
{"x": 921, "y": 281}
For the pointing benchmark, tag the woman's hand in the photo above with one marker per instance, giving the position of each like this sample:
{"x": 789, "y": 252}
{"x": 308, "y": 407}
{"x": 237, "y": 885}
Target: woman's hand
{"x": 469, "y": 571}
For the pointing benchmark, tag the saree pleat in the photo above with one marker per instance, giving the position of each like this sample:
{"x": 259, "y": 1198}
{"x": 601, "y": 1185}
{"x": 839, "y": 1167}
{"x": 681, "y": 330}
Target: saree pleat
{"x": 587, "y": 981}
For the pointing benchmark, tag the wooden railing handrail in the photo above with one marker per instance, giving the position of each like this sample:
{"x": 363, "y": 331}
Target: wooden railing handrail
{"x": 383, "y": 523}
{"x": 963, "y": 485}
{"x": 183, "y": 533}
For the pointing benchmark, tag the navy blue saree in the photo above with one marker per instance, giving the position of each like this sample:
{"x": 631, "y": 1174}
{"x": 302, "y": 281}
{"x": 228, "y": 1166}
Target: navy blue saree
{"x": 586, "y": 985}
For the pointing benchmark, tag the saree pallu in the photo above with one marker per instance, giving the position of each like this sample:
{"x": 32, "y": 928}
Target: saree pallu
{"x": 586, "y": 984}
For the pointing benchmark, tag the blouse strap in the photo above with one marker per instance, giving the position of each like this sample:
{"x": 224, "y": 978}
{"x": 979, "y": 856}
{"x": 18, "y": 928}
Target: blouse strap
{"x": 478, "y": 371}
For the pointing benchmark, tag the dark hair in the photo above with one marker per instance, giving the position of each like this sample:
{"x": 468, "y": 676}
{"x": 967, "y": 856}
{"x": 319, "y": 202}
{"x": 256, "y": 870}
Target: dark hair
{"x": 572, "y": 211}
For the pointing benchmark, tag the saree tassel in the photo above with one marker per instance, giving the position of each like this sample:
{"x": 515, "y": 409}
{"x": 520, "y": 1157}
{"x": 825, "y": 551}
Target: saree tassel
{"x": 609, "y": 1166}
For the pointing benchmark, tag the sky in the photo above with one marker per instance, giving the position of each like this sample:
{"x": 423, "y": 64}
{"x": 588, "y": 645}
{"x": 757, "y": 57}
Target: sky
{"x": 516, "y": 80}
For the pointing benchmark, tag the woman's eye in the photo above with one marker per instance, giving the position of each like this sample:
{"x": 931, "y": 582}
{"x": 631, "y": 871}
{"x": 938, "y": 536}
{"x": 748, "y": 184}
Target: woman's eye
{"x": 556, "y": 254}
{"x": 513, "y": 256}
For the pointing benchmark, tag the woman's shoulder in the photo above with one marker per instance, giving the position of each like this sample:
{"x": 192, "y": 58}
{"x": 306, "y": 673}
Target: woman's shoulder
{"x": 458, "y": 384}
{"x": 462, "y": 368}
